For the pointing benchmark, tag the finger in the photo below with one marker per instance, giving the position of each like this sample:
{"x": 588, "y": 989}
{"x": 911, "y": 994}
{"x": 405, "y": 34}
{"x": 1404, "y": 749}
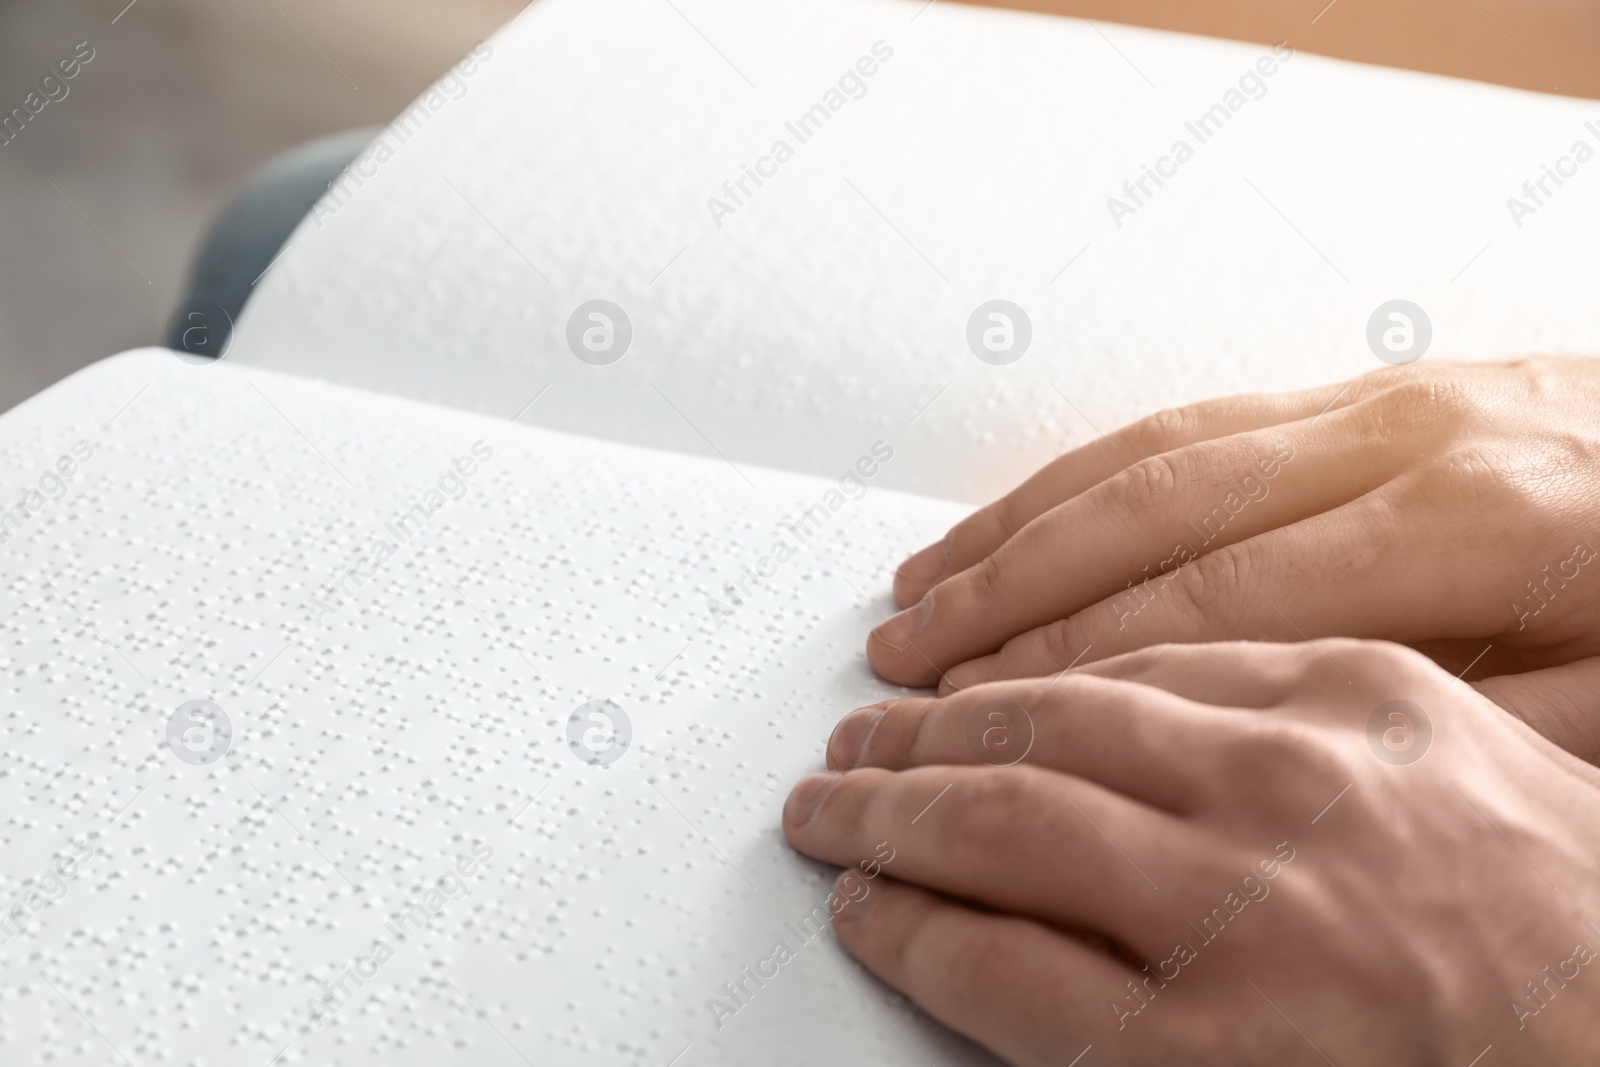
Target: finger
{"x": 1367, "y": 581}
{"x": 1029, "y": 993}
{"x": 1139, "y": 741}
{"x": 979, "y": 534}
{"x": 1231, "y": 674}
{"x": 1562, "y": 703}
{"x": 1139, "y": 526}
{"x": 1471, "y": 660}
{"x": 1019, "y": 839}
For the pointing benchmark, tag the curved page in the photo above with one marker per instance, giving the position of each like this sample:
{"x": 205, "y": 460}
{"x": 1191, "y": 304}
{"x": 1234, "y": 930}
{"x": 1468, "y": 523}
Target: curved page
{"x": 803, "y": 205}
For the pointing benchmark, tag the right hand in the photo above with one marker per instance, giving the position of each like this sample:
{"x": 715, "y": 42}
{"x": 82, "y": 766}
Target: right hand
{"x": 1455, "y": 508}
{"x": 1218, "y": 855}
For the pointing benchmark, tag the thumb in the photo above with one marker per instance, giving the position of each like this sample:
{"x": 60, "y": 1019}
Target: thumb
{"x": 1562, "y": 703}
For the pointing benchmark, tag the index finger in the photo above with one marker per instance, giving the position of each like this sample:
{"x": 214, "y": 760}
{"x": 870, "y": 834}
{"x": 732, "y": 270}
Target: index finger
{"x": 981, "y": 533}
{"x": 1148, "y": 522}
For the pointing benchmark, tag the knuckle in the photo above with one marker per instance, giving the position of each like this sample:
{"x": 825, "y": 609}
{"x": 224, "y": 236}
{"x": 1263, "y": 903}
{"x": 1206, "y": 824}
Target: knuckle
{"x": 1382, "y": 662}
{"x": 1278, "y": 757}
{"x": 1472, "y": 479}
{"x": 1322, "y": 667}
{"x": 1211, "y": 584}
{"x": 1146, "y": 486}
{"x": 1311, "y": 660}
{"x": 1061, "y": 641}
{"x": 988, "y": 579}
{"x": 988, "y": 968}
{"x": 982, "y": 815}
{"x": 1417, "y": 402}
{"x": 1385, "y": 378}
{"x": 1164, "y": 430}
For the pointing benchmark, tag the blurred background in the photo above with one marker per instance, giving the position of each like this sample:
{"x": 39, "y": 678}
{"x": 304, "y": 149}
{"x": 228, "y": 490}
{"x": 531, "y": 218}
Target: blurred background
{"x": 105, "y": 193}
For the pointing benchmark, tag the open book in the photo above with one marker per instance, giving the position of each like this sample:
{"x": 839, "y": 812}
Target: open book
{"x": 421, "y": 684}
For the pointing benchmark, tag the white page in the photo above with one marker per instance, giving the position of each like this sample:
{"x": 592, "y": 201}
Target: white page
{"x": 411, "y": 726}
{"x": 831, "y": 307}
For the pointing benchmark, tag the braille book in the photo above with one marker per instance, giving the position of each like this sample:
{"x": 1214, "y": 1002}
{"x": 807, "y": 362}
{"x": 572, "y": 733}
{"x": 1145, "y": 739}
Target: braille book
{"x": 420, "y": 684}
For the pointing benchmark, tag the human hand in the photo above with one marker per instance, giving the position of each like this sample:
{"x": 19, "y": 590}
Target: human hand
{"x": 1219, "y": 855}
{"x": 1444, "y": 506}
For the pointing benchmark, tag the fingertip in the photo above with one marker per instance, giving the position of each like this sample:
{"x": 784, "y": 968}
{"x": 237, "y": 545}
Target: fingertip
{"x": 899, "y": 666}
{"x": 968, "y": 674}
{"x": 848, "y": 744}
{"x": 922, "y": 571}
{"x": 806, "y": 797}
{"x": 899, "y": 632}
{"x": 881, "y": 658}
{"x": 906, "y": 591}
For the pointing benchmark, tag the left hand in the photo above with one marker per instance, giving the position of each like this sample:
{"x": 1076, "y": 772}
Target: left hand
{"x": 1219, "y": 854}
{"x": 1449, "y": 507}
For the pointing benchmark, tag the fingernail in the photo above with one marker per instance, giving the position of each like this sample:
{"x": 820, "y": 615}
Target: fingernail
{"x": 806, "y": 797}
{"x": 848, "y": 745}
{"x": 971, "y": 673}
{"x": 928, "y": 566}
{"x": 900, "y": 630}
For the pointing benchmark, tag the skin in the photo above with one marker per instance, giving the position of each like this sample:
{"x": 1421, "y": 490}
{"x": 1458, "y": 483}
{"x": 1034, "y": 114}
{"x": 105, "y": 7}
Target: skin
{"x": 1247, "y": 783}
{"x": 1448, "y": 507}
{"x": 1544, "y": 45}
